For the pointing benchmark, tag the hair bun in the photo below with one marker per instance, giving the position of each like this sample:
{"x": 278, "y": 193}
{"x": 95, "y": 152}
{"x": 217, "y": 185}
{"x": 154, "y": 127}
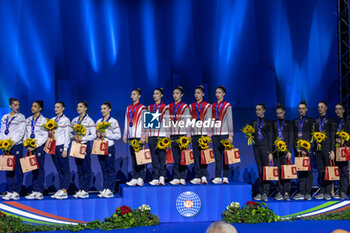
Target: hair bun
{"x": 108, "y": 102}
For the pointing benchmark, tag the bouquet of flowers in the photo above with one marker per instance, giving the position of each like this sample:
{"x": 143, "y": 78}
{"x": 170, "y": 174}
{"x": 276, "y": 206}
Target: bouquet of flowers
{"x": 163, "y": 143}
{"x": 280, "y": 145}
{"x": 6, "y": 145}
{"x": 203, "y": 142}
{"x": 136, "y": 145}
{"x": 344, "y": 137}
{"x": 51, "y": 126}
{"x": 79, "y": 129}
{"x": 227, "y": 144}
{"x": 318, "y": 137}
{"x": 304, "y": 145}
{"x": 249, "y": 130}
{"x": 30, "y": 142}
{"x": 102, "y": 126}
{"x": 183, "y": 142}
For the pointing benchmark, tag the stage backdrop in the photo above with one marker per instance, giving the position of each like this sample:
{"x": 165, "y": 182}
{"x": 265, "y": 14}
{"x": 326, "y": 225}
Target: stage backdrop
{"x": 271, "y": 51}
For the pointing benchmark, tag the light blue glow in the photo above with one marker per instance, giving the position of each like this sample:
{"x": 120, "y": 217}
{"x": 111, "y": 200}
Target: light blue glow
{"x": 89, "y": 20}
{"x": 109, "y": 9}
{"x": 150, "y": 42}
{"x": 230, "y": 21}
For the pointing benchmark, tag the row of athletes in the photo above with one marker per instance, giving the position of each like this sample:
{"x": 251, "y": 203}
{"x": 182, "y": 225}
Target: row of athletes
{"x": 15, "y": 126}
{"x": 290, "y": 131}
{"x": 221, "y": 111}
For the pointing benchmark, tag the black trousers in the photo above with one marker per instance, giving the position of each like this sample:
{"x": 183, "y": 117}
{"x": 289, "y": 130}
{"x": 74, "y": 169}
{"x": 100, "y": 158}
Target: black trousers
{"x": 138, "y": 171}
{"x": 283, "y": 185}
{"x": 262, "y": 158}
{"x": 158, "y": 158}
{"x": 200, "y": 170}
{"x": 322, "y": 160}
{"x": 344, "y": 176}
{"x": 180, "y": 171}
{"x": 219, "y": 153}
{"x": 305, "y": 179}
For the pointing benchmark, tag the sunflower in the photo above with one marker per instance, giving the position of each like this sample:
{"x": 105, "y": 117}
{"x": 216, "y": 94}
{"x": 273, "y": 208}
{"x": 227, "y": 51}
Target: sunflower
{"x": 204, "y": 146}
{"x": 200, "y": 141}
{"x": 306, "y": 145}
{"x": 183, "y": 142}
{"x": 318, "y": 137}
{"x": 102, "y": 126}
{"x": 249, "y": 130}
{"x": 160, "y": 145}
{"x": 83, "y": 131}
{"x": 5, "y": 144}
{"x": 133, "y": 142}
{"x": 1, "y": 144}
{"x": 33, "y": 144}
{"x": 227, "y": 144}
{"x": 166, "y": 142}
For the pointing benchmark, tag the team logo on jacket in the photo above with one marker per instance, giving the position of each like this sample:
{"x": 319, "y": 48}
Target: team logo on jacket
{"x": 151, "y": 120}
{"x": 188, "y": 204}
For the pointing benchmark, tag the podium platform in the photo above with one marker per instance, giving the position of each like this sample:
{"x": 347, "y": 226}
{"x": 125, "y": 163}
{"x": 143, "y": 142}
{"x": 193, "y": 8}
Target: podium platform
{"x": 204, "y": 202}
{"x": 189, "y": 203}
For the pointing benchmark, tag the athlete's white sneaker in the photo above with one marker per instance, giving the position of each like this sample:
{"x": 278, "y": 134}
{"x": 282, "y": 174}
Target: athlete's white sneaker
{"x": 132, "y": 182}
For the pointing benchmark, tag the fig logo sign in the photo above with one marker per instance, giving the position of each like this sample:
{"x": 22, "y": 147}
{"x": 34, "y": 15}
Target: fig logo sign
{"x": 188, "y": 204}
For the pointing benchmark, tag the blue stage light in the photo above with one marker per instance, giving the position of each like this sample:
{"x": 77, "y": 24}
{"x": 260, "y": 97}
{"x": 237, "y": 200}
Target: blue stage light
{"x": 230, "y": 21}
{"x": 90, "y": 24}
{"x": 150, "y": 42}
{"x": 111, "y": 18}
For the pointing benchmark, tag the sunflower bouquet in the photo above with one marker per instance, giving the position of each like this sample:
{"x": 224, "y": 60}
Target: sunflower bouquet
{"x": 163, "y": 143}
{"x": 318, "y": 137}
{"x": 304, "y": 145}
{"x": 79, "y": 129}
{"x": 249, "y": 130}
{"x": 227, "y": 144}
{"x": 136, "y": 145}
{"x": 280, "y": 145}
{"x": 51, "y": 126}
{"x": 344, "y": 137}
{"x": 6, "y": 145}
{"x": 102, "y": 126}
{"x": 203, "y": 142}
{"x": 183, "y": 142}
{"x": 30, "y": 142}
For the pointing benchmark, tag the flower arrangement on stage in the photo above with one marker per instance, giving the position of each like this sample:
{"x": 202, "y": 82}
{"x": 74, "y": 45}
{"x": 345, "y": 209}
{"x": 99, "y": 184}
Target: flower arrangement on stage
{"x": 227, "y": 144}
{"x": 6, "y": 145}
{"x": 304, "y": 145}
{"x": 280, "y": 145}
{"x": 183, "y": 142}
{"x": 252, "y": 212}
{"x": 79, "y": 130}
{"x": 249, "y": 130}
{"x": 163, "y": 143}
{"x": 124, "y": 217}
{"x": 344, "y": 137}
{"x": 203, "y": 142}
{"x": 318, "y": 137}
{"x": 30, "y": 142}
{"x": 135, "y": 144}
